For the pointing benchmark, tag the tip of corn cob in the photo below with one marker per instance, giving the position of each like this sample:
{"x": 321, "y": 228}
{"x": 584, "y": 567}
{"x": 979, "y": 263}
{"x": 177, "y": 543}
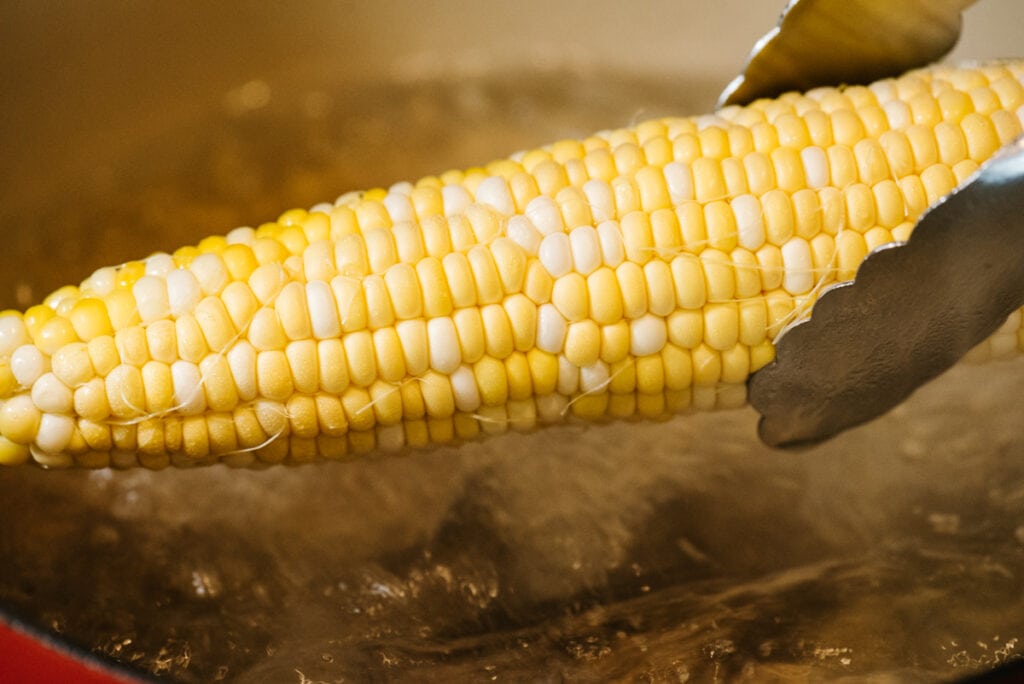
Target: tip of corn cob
{"x": 638, "y": 271}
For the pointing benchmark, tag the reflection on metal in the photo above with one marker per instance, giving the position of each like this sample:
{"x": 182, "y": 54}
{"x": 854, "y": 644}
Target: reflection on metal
{"x": 825, "y": 42}
{"x": 913, "y": 311}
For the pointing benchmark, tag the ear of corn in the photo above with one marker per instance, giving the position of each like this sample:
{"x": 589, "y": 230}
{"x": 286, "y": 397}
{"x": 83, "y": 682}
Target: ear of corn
{"x": 637, "y": 272}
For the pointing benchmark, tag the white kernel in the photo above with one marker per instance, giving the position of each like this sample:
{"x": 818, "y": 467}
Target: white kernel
{"x": 159, "y": 264}
{"x": 351, "y": 197}
{"x": 749, "y": 221}
{"x": 612, "y": 250}
{"x": 28, "y": 364}
{"x": 443, "y": 344}
{"x": 586, "y": 249}
{"x": 323, "y": 313}
{"x": 211, "y": 273}
{"x": 242, "y": 362}
{"x": 708, "y": 120}
{"x": 322, "y": 208}
{"x": 51, "y": 395}
{"x": 54, "y": 432}
{"x": 60, "y": 459}
{"x": 494, "y": 192}
{"x": 544, "y": 213}
{"x": 555, "y": 254}
{"x": 797, "y": 266}
{"x": 551, "y": 329}
{"x": 522, "y": 232}
{"x": 884, "y": 90}
{"x": 13, "y": 334}
{"x": 679, "y": 181}
{"x": 402, "y": 188}
{"x": 647, "y": 335}
{"x": 595, "y": 377}
{"x": 189, "y": 398}
{"x": 455, "y": 198}
{"x": 898, "y": 113}
{"x": 101, "y": 282}
{"x": 151, "y": 298}
{"x": 815, "y": 166}
{"x": 602, "y": 201}
{"x": 244, "y": 235}
{"x": 399, "y": 207}
{"x": 1020, "y": 115}
{"x": 183, "y": 291}
{"x": 568, "y": 377}
{"x": 467, "y": 394}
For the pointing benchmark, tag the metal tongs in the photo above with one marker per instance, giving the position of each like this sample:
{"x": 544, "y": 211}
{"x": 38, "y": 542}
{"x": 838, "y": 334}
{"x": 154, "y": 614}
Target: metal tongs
{"x": 914, "y": 308}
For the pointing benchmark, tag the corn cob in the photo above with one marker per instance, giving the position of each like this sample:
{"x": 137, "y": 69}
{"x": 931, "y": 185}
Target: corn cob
{"x": 636, "y": 272}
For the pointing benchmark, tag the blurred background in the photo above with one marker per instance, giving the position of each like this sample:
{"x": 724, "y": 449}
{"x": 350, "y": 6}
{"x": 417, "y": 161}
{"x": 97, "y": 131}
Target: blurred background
{"x": 634, "y": 552}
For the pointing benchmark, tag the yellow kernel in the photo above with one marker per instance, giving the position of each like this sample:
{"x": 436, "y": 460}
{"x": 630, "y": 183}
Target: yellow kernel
{"x": 303, "y": 364}
{"x": 189, "y": 337}
{"x": 760, "y": 173}
{"x": 469, "y": 327}
{"x": 331, "y": 366}
{"x": 622, "y": 376}
{"x": 777, "y": 216}
{"x": 522, "y": 318}
{"x": 497, "y": 331}
{"x": 842, "y": 165}
{"x": 653, "y": 190}
{"x": 543, "y": 371}
{"x": 212, "y": 317}
{"x": 517, "y": 370}
{"x": 583, "y": 343}
{"x": 735, "y": 177}
{"x": 721, "y": 325}
{"x": 925, "y": 110}
{"x": 693, "y": 232}
{"x": 19, "y": 419}
{"x": 707, "y": 366}
{"x": 721, "y": 225}
{"x": 980, "y": 135}
{"x": 125, "y": 392}
{"x": 274, "y": 377}
{"x": 923, "y": 145}
{"x": 538, "y": 283}
{"x": 898, "y": 153}
{"x": 650, "y": 374}
{"x": 486, "y": 281}
{"x": 678, "y": 367}
{"x": 766, "y": 138}
{"x": 719, "y": 280}
{"x": 850, "y": 252}
{"x": 437, "y": 395}
{"x": 735, "y": 364}
{"x": 350, "y": 256}
{"x": 914, "y": 195}
{"x": 872, "y": 166}
{"x": 569, "y": 296}
{"x": 686, "y": 148}
{"x": 103, "y": 354}
{"x": 380, "y": 312}
{"x": 888, "y": 203}
{"x": 158, "y": 386}
{"x": 633, "y": 289}
{"x": 954, "y": 105}
{"x": 792, "y": 131}
{"x": 708, "y": 181}
{"x": 359, "y": 352}
{"x": 938, "y": 181}
{"x": 388, "y": 355}
{"x": 491, "y": 381}
{"x": 615, "y": 342}
{"x": 847, "y": 128}
{"x": 951, "y": 143}
{"x": 860, "y": 207}
{"x": 605, "y": 298}
{"x": 351, "y": 303}
{"x": 218, "y": 383}
{"x": 132, "y": 346}
{"x": 661, "y": 299}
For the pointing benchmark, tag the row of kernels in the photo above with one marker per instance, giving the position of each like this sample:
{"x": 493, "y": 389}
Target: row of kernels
{"x": 197, "y": 441}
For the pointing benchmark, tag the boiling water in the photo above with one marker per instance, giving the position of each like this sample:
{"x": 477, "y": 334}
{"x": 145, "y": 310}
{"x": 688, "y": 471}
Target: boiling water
{"x": 674, "y": 551}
